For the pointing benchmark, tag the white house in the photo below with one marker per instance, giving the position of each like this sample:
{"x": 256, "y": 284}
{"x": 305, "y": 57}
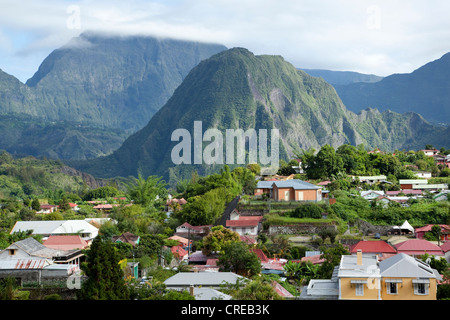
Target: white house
{"x": 58, "y": 227}
{"x": 371, "y": 194}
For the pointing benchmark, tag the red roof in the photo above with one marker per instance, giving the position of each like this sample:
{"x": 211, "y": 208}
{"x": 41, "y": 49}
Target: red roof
{"x": 247, "y": 239}
{"x": 418, "y": 247}
{"x": 178, "y": 251}
{"x": 196, "y": 228}
{"x": 255, "y": 218}
{"x": 428, "y": 227}
{"x": 261, "y": 255}
{"x": 65, "y": 242}
{"x": 378, "y": 246}
{"x": 316, "y": 259}
{"x": 242, "y": 223}
{"x": 446, "y": 246}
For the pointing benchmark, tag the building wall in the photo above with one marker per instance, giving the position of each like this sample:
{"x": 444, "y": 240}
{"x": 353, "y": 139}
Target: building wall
{"x": 245, "y": 230}
{"x": 406, "y": 290}
{"x": 370, "y": 289}
{"x": 294, "y": 195}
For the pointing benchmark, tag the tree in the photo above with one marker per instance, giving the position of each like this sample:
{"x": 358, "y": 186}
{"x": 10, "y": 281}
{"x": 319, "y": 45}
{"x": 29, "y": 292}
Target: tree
{"x": 257, "y": 290}
{"x": 218, "y": 238}
{"x": 64, "y": 204}
{"x": 146, "y": 191}
{"x": 105, "y": 277}
{"x": 237, "y": 258}
{"x": 332, "y": 257}
{"x": 35, "y": 205}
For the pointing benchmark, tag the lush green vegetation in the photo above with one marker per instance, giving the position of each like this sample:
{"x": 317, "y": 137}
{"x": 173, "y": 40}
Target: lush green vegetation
{"x": 30, "y": 180}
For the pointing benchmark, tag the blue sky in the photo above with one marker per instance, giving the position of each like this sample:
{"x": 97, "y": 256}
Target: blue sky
{"x": 379, "y": 37}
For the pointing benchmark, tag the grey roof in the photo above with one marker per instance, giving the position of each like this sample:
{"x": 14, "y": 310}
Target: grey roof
{"x": 34, "y": 248}
{"x": 186, "y": 279}
{"x": 350, "y": 268}
{"x": 293, "y": 183}
{"x": 55, "y": 227}
{"x": 403, "y": 265}
{"x": 210, "y": 294}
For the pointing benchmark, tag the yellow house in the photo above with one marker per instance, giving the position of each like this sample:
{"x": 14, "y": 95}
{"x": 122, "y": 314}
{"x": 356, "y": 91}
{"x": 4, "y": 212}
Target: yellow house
{"x": 363, "y": 277}
{"x": 407, "y": 278}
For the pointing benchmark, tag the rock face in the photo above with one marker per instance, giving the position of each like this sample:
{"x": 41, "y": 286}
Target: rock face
{"x": 87, "y": 178}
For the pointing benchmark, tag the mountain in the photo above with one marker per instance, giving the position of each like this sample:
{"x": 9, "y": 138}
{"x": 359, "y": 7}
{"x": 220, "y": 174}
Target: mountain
{"x": 342, "y": 77}
{"x": 235, "y": 89}
{"x": 425, "y": 91}
{"x": 107, "y": 85}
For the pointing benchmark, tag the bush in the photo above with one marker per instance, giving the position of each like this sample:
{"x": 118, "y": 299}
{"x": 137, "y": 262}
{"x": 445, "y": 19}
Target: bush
{"x": 309, "y": 210}
{"x": 53, "y": 296}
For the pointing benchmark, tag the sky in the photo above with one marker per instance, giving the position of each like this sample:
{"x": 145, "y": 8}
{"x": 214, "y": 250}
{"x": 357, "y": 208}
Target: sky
{"x": 376, "y": 37}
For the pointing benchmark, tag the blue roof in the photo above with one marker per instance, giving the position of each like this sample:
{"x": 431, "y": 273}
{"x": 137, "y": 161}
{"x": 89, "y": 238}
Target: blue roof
{"x": 294, "y": 183}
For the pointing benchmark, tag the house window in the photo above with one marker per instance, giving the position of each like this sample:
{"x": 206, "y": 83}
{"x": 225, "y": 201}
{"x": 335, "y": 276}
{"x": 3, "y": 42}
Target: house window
{"x": 359, "y": 289}
{"x": 12, "y": 252}
{"x": 392, "y": 288}
{"x": 421, "y": 289}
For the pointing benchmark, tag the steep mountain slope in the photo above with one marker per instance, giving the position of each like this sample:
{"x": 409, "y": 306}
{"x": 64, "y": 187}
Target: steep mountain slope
{"x": 425, "y": 91}
{"x": 238, "y": 90}
{"x": 91, "y": 94}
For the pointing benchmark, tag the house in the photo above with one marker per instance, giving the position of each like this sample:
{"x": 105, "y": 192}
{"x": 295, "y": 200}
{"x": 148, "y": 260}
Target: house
{"x": 105, "y": 207}
{"x": 445, "y": 231}
{"x": 372, "y": 179}
{"x": 371, "y": 194}
{"x": 179, "y": 253}
{"x": 188, "y": 231}
{"x": 430, "y": 152}
{"x": 407, "y": 278}
{"x": 127, "y": 237}
{"x": 184, "y": 243}
{"x": 418, "y": 247}
{"x": 47, "y": 208}
{"x": 263, "y": 188}
{"x": 289, "y": 190}
{"x": 69, "y": 242}
{"x": 58, "y": 227}
{"x": 74, "y": 206}
{"x": 442, "y": 196}
{"x": 363, "y": 277}
{"x": 378, "y": 247}
{"x": 29, "y": 260}
{"x": 214, "y": 280}
{"x": 269, "y": 266}
{"x": 423, "y": 174}
{"x": 244, "y": 227}
{"x": 409, "y": 183}
{"x": 421, "y": 184}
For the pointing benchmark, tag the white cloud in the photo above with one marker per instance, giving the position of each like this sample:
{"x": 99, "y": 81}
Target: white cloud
{"x": 380, "y": 37}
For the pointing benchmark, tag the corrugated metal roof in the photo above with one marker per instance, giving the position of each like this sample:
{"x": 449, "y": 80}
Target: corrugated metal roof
{"x": 202, "y": 278}
{"x": 23, "y": 264}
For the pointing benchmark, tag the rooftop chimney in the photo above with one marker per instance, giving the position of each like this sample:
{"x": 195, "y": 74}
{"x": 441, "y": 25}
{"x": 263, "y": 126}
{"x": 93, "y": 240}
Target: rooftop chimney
{"x": 359, "y": 257}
